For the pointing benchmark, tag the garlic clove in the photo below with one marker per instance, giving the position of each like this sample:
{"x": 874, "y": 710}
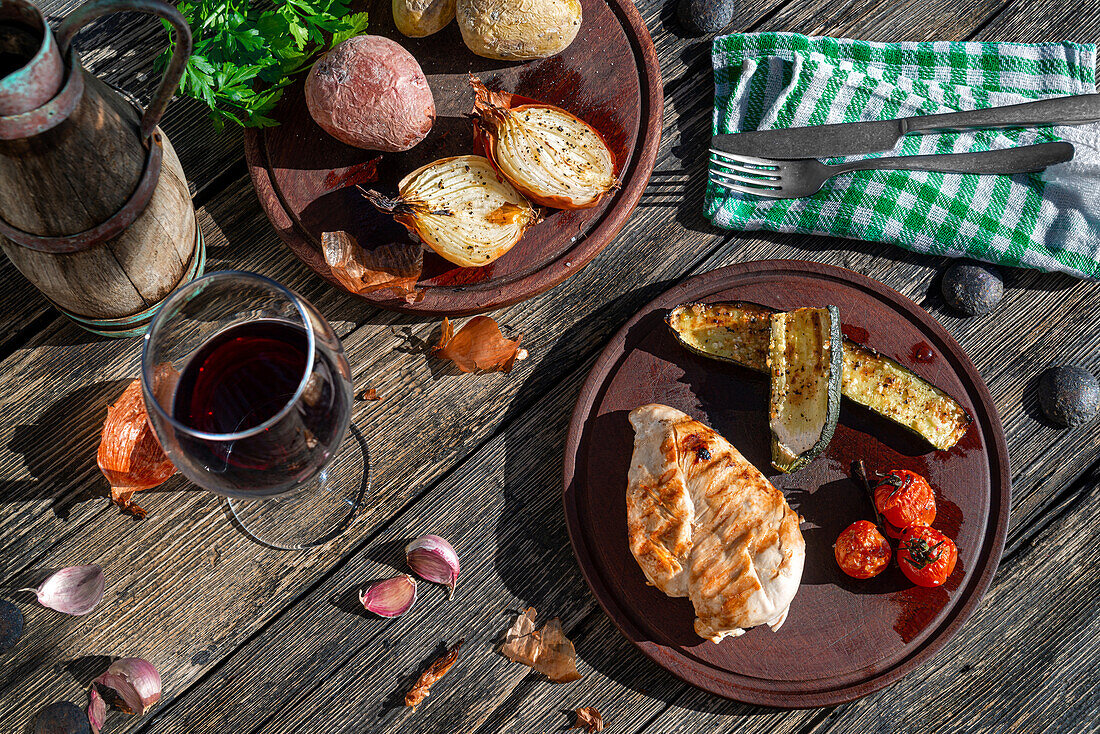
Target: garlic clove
{"x": 136, "y": 682}
{"x": 97, "y": 710}
{"x": 72, "y": 590}
{"x": 390, "y": 598}
{"x": 433, "y": 559}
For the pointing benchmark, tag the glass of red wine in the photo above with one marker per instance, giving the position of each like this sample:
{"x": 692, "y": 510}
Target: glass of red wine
{"x": 249, "y": 392}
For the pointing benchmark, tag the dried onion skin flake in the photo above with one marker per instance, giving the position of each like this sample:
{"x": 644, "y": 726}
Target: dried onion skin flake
{"x": 547, "y": 650}
{"x": 130, "y": 456}
{"x": 429, "y": 677}
{"x": 479, "y": 345}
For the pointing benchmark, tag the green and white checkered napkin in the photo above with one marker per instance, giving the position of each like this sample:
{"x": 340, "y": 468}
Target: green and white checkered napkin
{"x": 1048, "y": 221}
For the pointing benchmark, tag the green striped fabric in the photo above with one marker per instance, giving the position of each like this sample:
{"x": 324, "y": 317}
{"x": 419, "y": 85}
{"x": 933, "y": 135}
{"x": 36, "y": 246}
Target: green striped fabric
{"x": 1049, "y": 221}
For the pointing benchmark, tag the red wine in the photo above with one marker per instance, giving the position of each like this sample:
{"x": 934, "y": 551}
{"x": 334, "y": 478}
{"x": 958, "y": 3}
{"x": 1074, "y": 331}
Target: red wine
{"x": 244, "y": 377}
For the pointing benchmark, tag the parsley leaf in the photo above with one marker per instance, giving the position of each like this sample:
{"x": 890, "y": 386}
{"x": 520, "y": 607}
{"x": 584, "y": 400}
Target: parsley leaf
{"x": 245, "y": 53}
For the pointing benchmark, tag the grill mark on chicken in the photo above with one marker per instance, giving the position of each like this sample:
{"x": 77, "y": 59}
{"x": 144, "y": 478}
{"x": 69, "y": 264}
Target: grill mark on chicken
{"x": 713, "y": 529}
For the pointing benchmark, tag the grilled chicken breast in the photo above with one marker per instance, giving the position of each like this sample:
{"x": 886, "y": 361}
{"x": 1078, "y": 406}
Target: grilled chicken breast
{"x": 703, "y": 523}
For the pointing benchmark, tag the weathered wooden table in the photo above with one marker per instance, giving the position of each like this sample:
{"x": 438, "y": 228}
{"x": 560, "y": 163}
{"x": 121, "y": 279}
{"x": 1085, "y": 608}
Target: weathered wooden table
{"x": 251, "y": 640}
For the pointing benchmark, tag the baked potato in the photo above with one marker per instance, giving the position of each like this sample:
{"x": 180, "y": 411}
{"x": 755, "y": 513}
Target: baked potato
{"x": 511, "y": 30}
{"x": 369, "y": 92}
{"x": 419, "y": 18}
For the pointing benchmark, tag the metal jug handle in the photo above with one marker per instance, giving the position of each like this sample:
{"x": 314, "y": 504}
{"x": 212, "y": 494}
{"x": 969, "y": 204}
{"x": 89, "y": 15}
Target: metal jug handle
{"x": 94, "y": 9}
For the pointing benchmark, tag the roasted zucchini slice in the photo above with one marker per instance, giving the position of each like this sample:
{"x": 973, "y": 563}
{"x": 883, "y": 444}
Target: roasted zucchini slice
{"x": 733, "y": 332}
{"x": 889, "y": 389}
{"x": 805, "y": 360}
{"x": 740, "y": 332}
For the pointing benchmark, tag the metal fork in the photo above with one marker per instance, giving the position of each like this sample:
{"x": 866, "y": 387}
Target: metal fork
{"x": 793, "y": 179}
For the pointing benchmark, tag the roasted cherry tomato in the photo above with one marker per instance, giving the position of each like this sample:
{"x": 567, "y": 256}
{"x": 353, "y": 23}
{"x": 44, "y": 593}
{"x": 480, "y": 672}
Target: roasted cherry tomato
{"x": 926, "y": 555}
{"x": 861, "y": 551}
{"x": 904, "y": 499}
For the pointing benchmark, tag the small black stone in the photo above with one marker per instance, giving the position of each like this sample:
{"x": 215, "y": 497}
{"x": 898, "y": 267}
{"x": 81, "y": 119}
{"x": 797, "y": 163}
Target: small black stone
{"x": 972, "y": 288}
{"x": 706, "y": 16}
{"x": 11, "y": 625}
{"x": 1069, "y": 395}
{"x": 62, "y": 717}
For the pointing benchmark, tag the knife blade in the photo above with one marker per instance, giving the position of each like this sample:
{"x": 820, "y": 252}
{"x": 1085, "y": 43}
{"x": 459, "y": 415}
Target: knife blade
{"x": 818, "y": 141}
{"x": 857, "y": 138}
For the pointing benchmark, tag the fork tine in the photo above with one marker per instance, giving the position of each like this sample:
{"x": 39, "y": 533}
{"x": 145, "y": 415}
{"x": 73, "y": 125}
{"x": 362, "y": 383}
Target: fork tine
{"x": 753, "y": 191}
{"x": 764, "y": 183}
{"x": 761, "y": 173}
{"x": 772, "y": 172}
{"x": 746, "y": 159}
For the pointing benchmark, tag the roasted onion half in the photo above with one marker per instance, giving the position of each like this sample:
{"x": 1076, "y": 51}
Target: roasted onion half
{"x": 551, "y": 156}
{"x": 461, "y": 208}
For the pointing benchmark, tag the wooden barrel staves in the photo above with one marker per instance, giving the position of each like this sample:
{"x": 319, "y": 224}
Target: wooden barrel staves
{"x": 94, "y": 205}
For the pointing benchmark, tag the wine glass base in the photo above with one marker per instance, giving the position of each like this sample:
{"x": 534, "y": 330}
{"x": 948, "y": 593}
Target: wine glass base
{"x": 317, "y": 512}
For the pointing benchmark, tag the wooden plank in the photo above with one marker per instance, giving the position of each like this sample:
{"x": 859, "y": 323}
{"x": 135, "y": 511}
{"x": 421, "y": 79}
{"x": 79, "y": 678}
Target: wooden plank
{"x": 246, "y": 595}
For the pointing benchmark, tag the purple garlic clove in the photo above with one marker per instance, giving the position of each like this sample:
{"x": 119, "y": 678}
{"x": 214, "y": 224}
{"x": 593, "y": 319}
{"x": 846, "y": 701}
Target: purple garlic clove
{"x": 390, "y": 598}
{"x": 72, "y": 590}
{"x": 433, "y": 559}
{"x": 136, "y": 682}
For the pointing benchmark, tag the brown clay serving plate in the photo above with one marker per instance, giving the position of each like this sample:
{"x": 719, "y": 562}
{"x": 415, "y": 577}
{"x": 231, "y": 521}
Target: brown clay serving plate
{"x": 844, "y": 638}
{"x": 609, "y": 77}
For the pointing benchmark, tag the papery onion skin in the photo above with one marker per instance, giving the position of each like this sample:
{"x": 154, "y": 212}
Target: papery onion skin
{"x": 431, "y": 676}
{"x": 550, "y": 155}
{"x": 478, "y": 345}
{"x": 462, "y": 208}
{"x": 130, "y": 456}
{"x": 393, "y": 266}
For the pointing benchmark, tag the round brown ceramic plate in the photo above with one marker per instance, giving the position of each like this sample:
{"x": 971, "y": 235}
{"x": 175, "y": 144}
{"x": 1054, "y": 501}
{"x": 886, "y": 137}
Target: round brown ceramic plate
{"x": 609, "y": 77}
{"x": 844, "y": 638}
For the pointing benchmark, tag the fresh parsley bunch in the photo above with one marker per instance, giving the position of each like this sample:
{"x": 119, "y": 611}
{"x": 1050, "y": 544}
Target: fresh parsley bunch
{"x": 245, "y": 53}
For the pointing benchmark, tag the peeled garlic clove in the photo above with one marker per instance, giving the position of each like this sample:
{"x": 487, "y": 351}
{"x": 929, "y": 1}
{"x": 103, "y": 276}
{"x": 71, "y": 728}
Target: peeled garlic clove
{"x": 390, "y": 598}
{"x": 461, "y": 208}
{"x": 136, "y": 681}
{"x": 551, "y": 156}
{"x": 72, "y": 590}
{"x": 434, "y": 559}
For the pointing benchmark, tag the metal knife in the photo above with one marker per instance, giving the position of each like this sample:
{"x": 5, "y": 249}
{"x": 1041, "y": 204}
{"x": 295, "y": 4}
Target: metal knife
{"x": 855, "y": 138}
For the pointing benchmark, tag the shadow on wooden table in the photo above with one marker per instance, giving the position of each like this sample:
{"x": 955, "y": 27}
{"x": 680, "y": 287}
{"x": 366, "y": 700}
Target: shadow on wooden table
{"x": 56, "y": 450}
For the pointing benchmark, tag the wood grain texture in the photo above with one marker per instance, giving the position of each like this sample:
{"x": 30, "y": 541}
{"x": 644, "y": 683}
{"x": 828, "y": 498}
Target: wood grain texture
{"x": 128, "y": 273}
{"x": 217, "y": 613}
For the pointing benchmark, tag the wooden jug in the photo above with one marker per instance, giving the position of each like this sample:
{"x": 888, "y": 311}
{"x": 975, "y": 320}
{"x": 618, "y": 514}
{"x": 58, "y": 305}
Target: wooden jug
{"x": 94, "y": 206}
